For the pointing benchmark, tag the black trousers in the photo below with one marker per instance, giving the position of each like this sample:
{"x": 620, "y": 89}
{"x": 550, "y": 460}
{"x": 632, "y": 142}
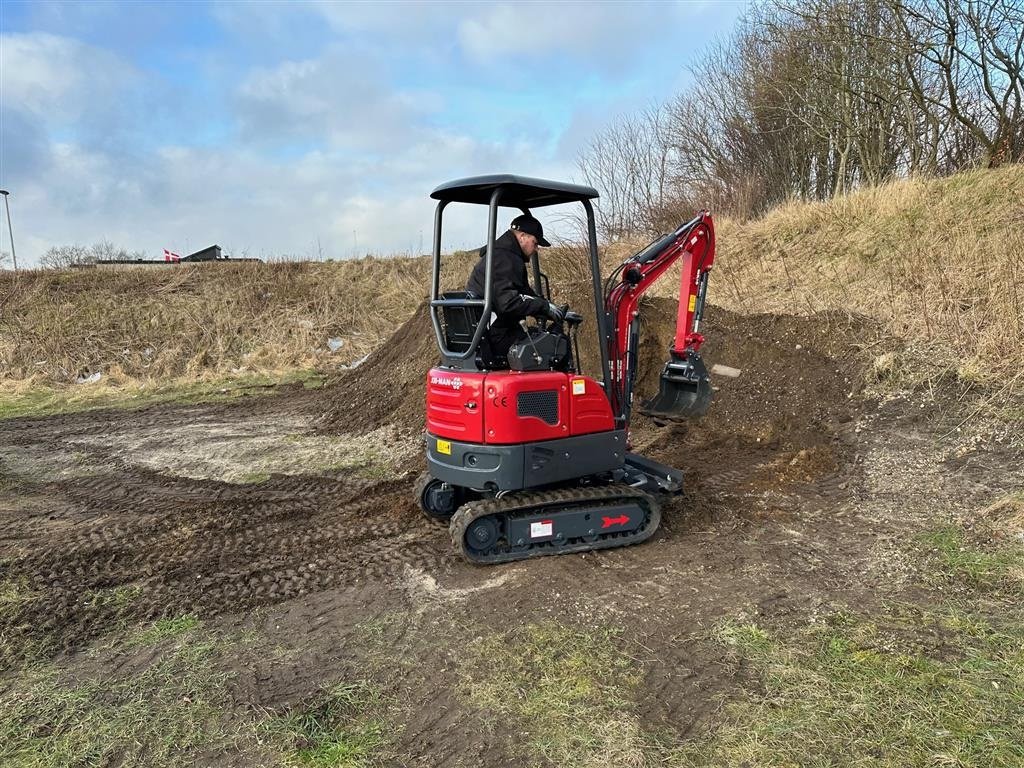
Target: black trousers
{"x": 499, "y": 339}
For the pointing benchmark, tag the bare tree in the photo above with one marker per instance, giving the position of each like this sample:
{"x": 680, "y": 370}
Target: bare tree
{"x": 811, "y": 98}
{"x": 64, "y": 256}
{"x": 629, "y": 163}
{"x": 976, "y": 51}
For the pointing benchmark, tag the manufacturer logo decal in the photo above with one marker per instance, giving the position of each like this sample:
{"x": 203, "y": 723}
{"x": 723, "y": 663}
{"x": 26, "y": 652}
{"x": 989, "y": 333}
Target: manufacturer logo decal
{"x": 445, "y": 381}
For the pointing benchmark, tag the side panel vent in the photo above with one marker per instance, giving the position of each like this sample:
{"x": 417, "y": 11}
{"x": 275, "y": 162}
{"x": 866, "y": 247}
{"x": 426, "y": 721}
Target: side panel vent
{"x": 542, "y": 405}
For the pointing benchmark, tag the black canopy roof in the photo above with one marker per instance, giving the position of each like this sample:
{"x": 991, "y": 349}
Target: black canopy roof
{"x": 520, "y": 191}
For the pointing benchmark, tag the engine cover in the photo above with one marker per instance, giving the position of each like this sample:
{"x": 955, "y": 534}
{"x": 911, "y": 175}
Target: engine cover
{"x": 514, "y": 407}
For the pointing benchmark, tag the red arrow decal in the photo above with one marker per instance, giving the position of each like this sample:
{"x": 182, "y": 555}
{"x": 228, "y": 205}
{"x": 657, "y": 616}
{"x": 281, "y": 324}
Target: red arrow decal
{"x": 610, "y": 521}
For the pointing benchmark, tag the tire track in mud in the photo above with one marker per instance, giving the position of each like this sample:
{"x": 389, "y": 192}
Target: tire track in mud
{"x": 140, "y": 545}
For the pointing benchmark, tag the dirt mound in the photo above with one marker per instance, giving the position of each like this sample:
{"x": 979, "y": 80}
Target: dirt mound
{"x": 776, "y": 424}
{"x": 388, "y": 387}
{"x": 796, "y": 374}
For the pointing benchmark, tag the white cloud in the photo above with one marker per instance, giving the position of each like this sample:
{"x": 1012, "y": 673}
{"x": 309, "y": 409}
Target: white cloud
{"x": 60, "y": 78}
{"x": 338, "y": 138}
{"x": 341, "y": 98}
{"x": 186, "y": 198}
{"x": 603, "y": 35}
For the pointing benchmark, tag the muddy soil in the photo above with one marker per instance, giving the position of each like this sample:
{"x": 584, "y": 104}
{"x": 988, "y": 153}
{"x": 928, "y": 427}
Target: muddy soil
{"x": 801, "y": 496}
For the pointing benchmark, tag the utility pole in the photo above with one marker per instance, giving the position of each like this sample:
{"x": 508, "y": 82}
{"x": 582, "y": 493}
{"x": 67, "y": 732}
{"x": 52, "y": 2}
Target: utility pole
{"x": 7, "y": 205}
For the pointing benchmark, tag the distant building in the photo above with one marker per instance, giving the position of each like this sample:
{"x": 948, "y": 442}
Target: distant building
{"x": 210, "y": 253}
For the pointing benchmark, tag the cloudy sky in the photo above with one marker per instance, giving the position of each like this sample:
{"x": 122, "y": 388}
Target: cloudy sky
{"x": 309, "y": 128}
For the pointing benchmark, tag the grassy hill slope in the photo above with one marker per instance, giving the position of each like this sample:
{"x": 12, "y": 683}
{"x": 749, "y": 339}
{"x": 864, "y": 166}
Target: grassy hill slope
{"x": 937, "y": 263}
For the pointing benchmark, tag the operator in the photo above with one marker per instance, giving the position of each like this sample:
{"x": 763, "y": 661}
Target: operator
{"x": 512, "y": 297}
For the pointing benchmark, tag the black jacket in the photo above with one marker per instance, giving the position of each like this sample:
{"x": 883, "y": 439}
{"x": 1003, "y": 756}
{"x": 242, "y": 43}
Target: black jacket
{"x": 513, "y": 298}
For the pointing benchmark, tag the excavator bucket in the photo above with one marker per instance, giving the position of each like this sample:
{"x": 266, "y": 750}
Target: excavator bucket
{"x": 684, "y": 392}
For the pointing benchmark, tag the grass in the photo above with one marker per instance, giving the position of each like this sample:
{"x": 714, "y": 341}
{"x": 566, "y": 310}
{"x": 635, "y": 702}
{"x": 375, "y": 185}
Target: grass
{"x": 44, "y": 400}
{"x": 902, "y": 253}
{"x": 157, "y": 324}
{"x": 159, "y": 716}
{"x": 956, "y": 563}
{"x": 167, "y": 628}
{"x": 568, "y": 691}
{"x": 341, "y": 728}
{"x": 118, "y": 597}
{"x": 856, "y": 691}
{"x": 14, "y": 592}
{"x": 166, "y": 704}
{"x": 948, "y": 286}
{"x": 912, "y": 686}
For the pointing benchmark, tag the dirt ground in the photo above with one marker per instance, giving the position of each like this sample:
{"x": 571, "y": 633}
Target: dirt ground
{"x": 289, "y": 518}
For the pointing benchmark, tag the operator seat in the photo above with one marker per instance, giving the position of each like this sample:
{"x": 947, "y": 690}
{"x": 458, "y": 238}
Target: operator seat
{"x": 459, "y": 324}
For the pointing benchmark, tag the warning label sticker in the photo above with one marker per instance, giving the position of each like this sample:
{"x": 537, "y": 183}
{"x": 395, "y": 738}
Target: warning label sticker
{"x": 579, "y": 386}
{"x": 541, "y": 528}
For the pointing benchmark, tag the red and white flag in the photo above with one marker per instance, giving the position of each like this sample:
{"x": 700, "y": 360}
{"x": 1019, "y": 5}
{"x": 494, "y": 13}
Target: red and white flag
{"x": 168, "y": 256}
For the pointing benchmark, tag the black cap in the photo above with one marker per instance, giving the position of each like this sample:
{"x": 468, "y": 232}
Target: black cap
{"x": 526, "y": 223}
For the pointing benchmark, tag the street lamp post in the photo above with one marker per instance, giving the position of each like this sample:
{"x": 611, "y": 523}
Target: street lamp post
{"x": 7, "y": 205}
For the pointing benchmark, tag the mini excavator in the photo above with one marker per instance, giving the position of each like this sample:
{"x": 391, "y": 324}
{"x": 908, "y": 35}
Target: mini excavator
{"x": 526, "y": 455}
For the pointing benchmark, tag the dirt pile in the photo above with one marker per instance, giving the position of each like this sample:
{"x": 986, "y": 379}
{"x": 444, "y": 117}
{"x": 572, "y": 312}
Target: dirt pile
{"x": 797, "y": 374}
{"x": 779, "y": 422}
{"x": 388, "y": 387}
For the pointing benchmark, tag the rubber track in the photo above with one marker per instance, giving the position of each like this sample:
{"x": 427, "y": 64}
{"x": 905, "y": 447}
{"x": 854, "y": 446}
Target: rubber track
{"x": 531, "y": 503}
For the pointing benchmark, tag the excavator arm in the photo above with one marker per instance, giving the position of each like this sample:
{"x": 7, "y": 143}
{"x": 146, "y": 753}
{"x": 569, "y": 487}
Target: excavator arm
{"x": 685, "y": 388}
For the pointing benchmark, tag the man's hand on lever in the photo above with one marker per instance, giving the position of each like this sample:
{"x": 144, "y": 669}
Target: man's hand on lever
{"x": 555, "y": 312}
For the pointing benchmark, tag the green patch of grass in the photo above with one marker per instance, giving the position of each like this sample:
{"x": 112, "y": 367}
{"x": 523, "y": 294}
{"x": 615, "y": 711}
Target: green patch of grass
{"x": 955, "y": 562}
{"x": 254, "y": 478}
{"x": 912, "y": 686}
{"x": 118, "y": 597}
{"x": 860, "y": 691}
{"x": 341, "y": 728}
{"x": 46, "y": 401}
{"x": 13, "y": 594}
{"x": 158, "y": 717}
{"x": 568, "y": 690}
{"x": 163, "y": 629}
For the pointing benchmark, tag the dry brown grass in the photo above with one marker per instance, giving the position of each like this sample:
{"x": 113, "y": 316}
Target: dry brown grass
{"x": 189, "y": 321}
{"x": 937, "y": 262}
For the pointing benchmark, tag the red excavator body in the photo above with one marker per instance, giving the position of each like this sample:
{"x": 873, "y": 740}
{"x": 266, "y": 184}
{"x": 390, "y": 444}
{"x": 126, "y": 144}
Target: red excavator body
{"x": 510, "y": 407}
{"x": 526, "y": 454}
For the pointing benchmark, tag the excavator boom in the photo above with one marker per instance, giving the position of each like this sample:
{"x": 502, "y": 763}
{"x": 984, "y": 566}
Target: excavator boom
{"x": 685, "y": 387}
